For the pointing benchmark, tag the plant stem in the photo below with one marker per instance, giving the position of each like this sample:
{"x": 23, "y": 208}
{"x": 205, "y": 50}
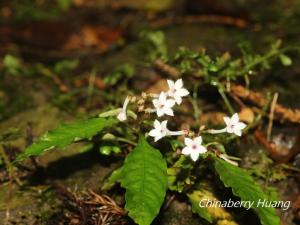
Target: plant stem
{"x": 126, "y": 141}
{"x": 225, "y": 99}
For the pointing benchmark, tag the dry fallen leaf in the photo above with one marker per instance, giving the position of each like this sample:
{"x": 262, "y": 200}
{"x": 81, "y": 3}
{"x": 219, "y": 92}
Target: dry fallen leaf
{"x": 158, "y": 87}
{"x": 246, "y": 115}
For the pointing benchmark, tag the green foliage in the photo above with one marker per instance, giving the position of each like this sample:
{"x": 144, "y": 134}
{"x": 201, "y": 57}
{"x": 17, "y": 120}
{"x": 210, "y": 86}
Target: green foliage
{"x": 121, "y": 72}
{"x": 114, "y": 177}
{"x": 28, "y": 10}
{"x": 12, "y": 64}
{"x": 144, "y": 176}
{"x": 247, "y": 189}
{"x": 153, "y": 45}
{"x": 64, "y": 5}
{"x": 179, "y": 174}
{"x": 285, "y": 60}
{"x": 109, "y": 149}
{"x": 223, "y": 68}
{"x": 65, "y": 66}
{"x": 195, "y": 197}
{"x": 10, "y": 134}
{"x": 65, "y": 135}
{"x": 265, "y": 168}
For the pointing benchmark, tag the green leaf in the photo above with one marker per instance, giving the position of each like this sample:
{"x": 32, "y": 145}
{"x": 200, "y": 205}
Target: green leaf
{"x": 12, "y": 64}
{"x": 109, "y": 149}
{"x": 144, "y": 176}
{"x": 114, "y": 177}
{"x": 65, "y": 135}
{"x": 285, "y": 60}
{"x": 195, "y": 197}
{"x": 247, "y": 189}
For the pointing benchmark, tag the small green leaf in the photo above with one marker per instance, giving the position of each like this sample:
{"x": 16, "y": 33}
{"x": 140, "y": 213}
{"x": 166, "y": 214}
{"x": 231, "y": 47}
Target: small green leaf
{"x": 65, "y": 135}
{"x": 109, "y": 149}
{"x": 247, "y": 189}
{"x": 144, "y": 176}
{"x": 114, "y": 177}
{"x": 12, "y": 64}
{"x": 285, "y": 60}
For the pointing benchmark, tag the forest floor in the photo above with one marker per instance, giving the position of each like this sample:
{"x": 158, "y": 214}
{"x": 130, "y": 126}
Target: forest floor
{"x": 56, "y": 69}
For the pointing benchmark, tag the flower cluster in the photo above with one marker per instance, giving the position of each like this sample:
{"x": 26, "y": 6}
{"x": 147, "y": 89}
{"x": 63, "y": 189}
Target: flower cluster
{"x": 163, "y": 105}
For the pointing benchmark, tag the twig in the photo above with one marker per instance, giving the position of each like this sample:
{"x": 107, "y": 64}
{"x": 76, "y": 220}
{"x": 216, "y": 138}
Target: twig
{"x": 261, "y": 138}
{"x": 281, "y": 113}
{"x": 91, "y": 86}
{"x": 167, "y": 69}
{"x": 62, "y": 87}
{"x": 216, "y": 19}
{"x": 271, "y": 116}
{"x": 10, "y": 168}
{"x": 272, "y": 149}
{"x": 169, "y": 202}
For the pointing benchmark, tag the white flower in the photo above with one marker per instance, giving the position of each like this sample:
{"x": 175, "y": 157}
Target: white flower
{"x": 163, "y": 105}
{"x": 193, "y": 147}
{"x": 122, "y": 114}
{"x": 176, "y": 90}
{"x": 160, "y": 130}
{"x": 233, "y": 125}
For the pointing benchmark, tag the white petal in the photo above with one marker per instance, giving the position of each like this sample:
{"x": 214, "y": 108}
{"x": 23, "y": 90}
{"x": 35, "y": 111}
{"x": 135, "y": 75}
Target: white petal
{"x": 235, "y": 118}
{"x": 155, "y": 103}
{"x": 171, "y": 84}
{"x": 158, "y": 137}
{"x": 170, "y": 93}
{"x": 164, "y": 125}
{"x": 201, "y": 149}
{"x": 170, "y": 103}
{"x": 154, "y": 133}
{"x": 229, "y": 129}
{"x": 122, "y": 116}
{"x": 182, "y": 92}
{"x": 195, "y": 155}
{"x": 159, "y": 112}
{"x": 238, "y": 132}
{"x": 198, "y": 140}
{"x": 178, "y": 99}
{"x": 186, "y": 151}
{"x": 162, "y": 97}
{"x": 227, "y": 121}
{"x": 178, "y": 84}
{"x": 241, "y": 125}
{"x": 157, "y": 124}
{"x": 168, "y": 111}
{"x": 188, "y": 141}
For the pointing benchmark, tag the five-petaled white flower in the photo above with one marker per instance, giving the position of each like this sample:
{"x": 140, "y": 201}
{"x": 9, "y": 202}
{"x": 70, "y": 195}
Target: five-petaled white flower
{"x": 193, "y": 147}
{"x": 122, "y": 114}
{"x": 163, "y": 105}
{"x": 176, "y": 90}
{"x": 160, "y": 130}
{"x": 233, "y": 125}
